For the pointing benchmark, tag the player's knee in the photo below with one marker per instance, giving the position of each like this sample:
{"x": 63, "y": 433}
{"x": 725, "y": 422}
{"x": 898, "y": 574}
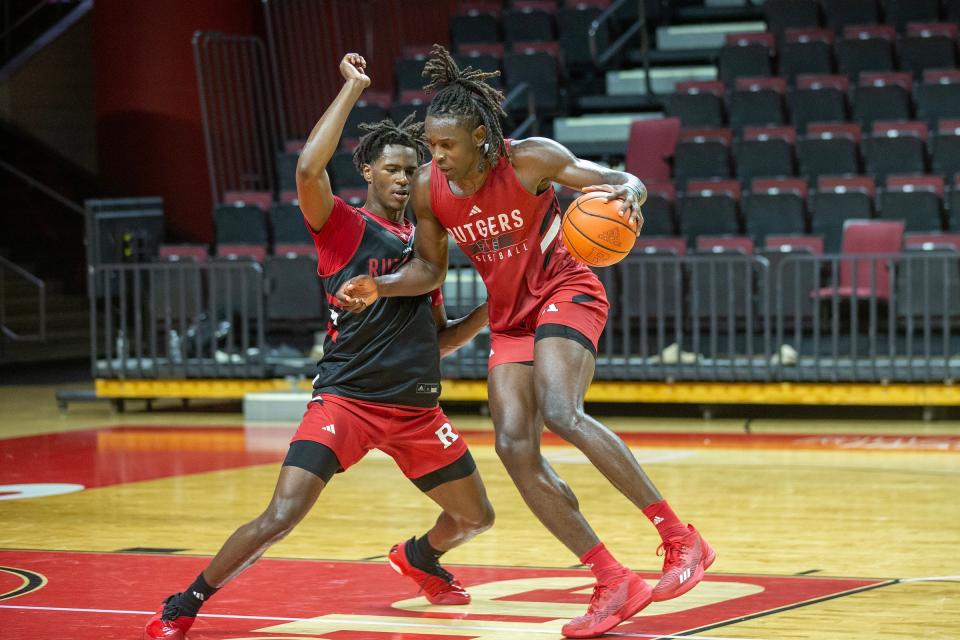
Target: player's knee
{"x": 278, "y": 521}
{"x": 564, "y": 420}
{"x": 477, "y": 520}
{"x": 275, "y": 527}
{"x": 484, "y": 519}
{"x": 514, "y": 450}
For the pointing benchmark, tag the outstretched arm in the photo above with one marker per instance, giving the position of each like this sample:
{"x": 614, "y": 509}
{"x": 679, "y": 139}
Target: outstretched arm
{"x": 422, "y": 274}
{"x": 313, "y": 183}
{"x": 453, "y": 334}
{"x": 540, "y": 161}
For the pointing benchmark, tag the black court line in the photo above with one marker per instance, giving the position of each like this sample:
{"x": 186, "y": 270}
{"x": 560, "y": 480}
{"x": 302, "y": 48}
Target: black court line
{"x": 31, "y": 582}
{"x": 807, "y": 572}
{"x": 807, "y": 603}
{"x": 160, "y": 550}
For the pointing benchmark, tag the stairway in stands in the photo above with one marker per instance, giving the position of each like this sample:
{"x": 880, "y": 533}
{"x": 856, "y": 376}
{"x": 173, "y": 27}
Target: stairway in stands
{"x": 68, "y": 324}
{"x": 40, "y": 234}
{"x": 683, "y": 47}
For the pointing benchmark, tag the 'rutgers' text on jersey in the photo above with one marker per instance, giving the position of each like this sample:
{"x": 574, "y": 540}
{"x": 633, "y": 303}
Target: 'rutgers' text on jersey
{"x": 512, "y": 237}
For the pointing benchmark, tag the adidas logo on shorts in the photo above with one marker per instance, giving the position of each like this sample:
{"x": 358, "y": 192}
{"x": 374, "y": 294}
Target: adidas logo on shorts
{"x": 330, "y": 428}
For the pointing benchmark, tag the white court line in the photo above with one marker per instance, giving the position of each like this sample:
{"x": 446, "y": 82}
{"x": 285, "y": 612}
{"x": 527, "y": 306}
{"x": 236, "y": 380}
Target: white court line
{"x": 930, "y": 579}
{"x": 146, "y": 613}
{"x": 372, "y": 623}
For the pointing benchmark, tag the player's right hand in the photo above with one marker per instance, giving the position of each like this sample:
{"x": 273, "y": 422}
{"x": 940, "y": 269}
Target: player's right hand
{"x": 358, "y": 293}
{"x": 354, "y": 68}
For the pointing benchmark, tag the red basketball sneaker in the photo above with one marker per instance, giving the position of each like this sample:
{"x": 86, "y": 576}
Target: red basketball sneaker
{"x": 168, "y": 624}
{"x": 685, "y": 560}
{"x": 611, "y": 603}
{"x": 439, "y": 586}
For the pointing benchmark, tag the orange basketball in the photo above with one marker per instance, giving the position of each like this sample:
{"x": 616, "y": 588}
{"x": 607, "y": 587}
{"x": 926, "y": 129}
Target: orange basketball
{"x": 594, "y": 232}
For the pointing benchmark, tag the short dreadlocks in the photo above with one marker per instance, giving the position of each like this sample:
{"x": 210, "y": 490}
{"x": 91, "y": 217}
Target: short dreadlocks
{"x": 406, "y": 134}
{"x": 465, "y": 93}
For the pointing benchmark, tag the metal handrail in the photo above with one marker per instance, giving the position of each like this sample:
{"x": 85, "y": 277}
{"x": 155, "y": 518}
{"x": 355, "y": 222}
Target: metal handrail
{"x": 44, "y": 189}
{"x": 237, "y": 108}
{"x": 530, "y": 122}
{"x": 600, "y": 59}
{"x": 6, "y": 37}
{"x": 272, "y": 47}
{"x": 23, "y": 18}
{"x": 41, "y": 286}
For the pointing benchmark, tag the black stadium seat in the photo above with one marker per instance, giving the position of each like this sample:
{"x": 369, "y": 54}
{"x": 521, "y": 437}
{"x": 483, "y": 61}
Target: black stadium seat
{"x": 708, "y": 208}
{"x": 697, "y": 104}
{"x": 829, "y": 150}
{"x": 745, "y": 54}
{"x": 819, "y": 99}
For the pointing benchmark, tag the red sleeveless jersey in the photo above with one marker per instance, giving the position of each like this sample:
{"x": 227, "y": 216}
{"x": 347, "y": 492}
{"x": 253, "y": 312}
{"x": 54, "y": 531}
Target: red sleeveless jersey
{"x": 512, "y": 237}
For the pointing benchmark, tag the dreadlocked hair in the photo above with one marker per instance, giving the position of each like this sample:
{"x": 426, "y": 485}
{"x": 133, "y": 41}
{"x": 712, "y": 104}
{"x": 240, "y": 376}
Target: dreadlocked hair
{"x": 406, "y": 134}
{"x": 466, "y": 93}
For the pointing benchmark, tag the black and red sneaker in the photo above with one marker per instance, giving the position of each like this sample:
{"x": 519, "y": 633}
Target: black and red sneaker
{"x": 438, "y": 585}
{"x": 169, "y": 623}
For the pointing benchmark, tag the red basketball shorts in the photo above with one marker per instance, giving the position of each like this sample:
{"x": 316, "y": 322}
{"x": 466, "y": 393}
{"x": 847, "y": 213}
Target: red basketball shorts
{"x": 577, "y": 309}
{"x": 419, "y": 440}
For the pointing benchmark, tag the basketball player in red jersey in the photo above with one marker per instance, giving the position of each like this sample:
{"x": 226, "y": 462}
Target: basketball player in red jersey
{"x": 378, "y": 382}
{"x": 547, "y": 312}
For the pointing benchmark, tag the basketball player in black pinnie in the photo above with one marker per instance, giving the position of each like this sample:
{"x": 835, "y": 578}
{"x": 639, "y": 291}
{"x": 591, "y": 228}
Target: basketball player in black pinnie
{"x": 379, "y": 380}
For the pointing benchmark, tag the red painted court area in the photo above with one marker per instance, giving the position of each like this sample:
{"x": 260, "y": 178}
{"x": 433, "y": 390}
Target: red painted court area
{"x": 109, "y": 596}
{"x": 103, "y": 457}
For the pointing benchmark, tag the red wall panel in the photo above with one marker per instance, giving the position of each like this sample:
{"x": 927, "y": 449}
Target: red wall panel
{"x": 150, "y": 136}
{"x": 149, "y": 128}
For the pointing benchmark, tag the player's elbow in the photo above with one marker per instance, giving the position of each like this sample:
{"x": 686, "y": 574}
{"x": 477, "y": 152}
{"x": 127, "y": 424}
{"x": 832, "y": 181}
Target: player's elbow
{"x": 307, "y": 172}
{"x": 309, "y": 168}
{"x": 441, "y": 275}
{"x": 438, "y": 273}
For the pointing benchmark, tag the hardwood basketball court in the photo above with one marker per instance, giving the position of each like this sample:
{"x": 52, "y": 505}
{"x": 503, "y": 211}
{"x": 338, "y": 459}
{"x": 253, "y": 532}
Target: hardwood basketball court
{"x": 823, "y": 529}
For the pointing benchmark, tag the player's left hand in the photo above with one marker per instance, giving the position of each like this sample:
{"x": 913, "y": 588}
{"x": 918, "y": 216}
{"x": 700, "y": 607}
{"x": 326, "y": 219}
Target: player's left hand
{"x": 631, "y": 197}
{"x": 358, "y": 293}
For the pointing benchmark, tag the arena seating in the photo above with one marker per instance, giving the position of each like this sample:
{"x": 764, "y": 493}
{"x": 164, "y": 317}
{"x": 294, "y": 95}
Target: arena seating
{"x": 774, "y": 138}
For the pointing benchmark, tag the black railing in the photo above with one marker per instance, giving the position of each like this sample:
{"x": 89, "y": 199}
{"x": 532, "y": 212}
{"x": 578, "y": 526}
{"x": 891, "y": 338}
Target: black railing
{"x": 177, "y": 320}
{"x": 15, "y": 334}
{"x": 704, "y": 317}
{"x": 33, "y": 183}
